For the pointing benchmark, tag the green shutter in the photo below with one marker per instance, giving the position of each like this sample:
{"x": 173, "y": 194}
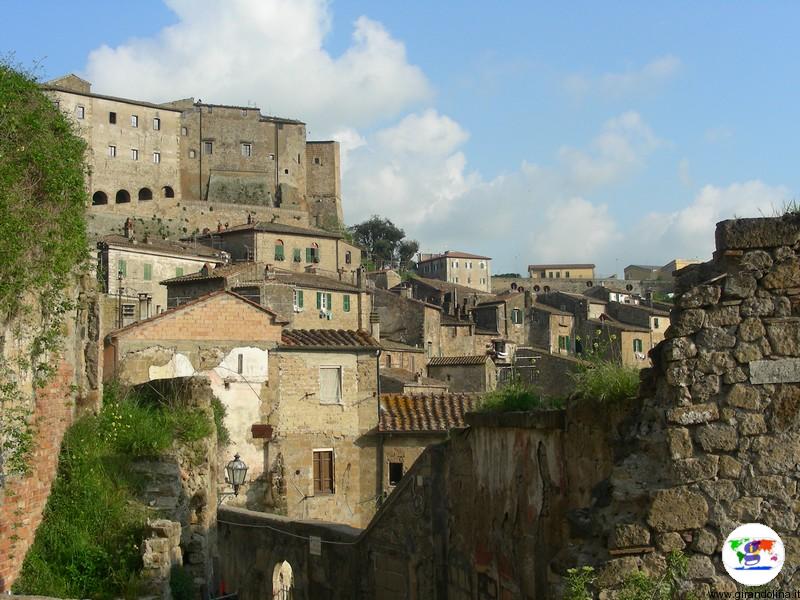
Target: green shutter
{"x": 569, "y": 349}
{"x": 123, "y": 267}
{"x": 309, "y": 254}
{"x": 329, "y": 301}
{"x": 278, "y": 251}
{"x": 148, "y": 271}
{"x": 317, "y": 254}
{"x": 319, "y": 299}
{"x": 346, "y": 303}
{"x": 299, "y": 298}
{"x": 296, "y": 255}
{"x": 178, "y": 271}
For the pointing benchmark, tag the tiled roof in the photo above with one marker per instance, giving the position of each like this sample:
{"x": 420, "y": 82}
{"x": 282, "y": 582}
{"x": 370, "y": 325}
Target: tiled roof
{"x": 607, "y": 321}
{"x": 306, "y": 280}
{"x": 57, "y": 88}
{"x": 158, "y": 245}
{"x": 190, "y": 303}
{"x": 562, "y": 266}
{"x": 424, "y": 412}
{"x": 407, "y": 377}
{"x": 446, "y": 361}
{"x": 266, "y": 226}
{"x": 399, "y": 346}
{"x": 551, "y": 310}
{"x": 320, "y": 339}
{"x": 455, "y": 254}
{"x": 445, "y": 286}
{"x": 311, "y": 280}
{"x": 218, "y": 273}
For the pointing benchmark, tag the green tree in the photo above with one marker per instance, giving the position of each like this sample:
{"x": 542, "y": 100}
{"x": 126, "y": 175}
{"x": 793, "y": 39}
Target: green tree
{"x": 384, "y": 242}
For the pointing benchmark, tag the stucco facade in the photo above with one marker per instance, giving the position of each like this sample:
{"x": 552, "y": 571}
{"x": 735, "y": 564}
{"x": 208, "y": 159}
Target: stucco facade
{"x": 470, "y": 270}
{"x": 561, "y": 271}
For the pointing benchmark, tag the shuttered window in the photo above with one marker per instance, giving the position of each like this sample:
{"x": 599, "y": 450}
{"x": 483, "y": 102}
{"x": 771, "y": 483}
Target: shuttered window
{"x": 330, "y": 385}
{"x": 122, "y": 267}
{"x": 296, "y": 255}
{"x": 148, "y": 271}
{"x": 323, "y": 472}
{"x": 346, "y": 303}
{"x": 298, "y": 298}
{"x": 309, "y": 254}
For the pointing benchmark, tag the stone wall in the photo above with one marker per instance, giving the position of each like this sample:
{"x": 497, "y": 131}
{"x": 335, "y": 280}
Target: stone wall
{"x": 717, "y": 439}
{"x": 578, "y": 286}
{"x": 75, "y": 387}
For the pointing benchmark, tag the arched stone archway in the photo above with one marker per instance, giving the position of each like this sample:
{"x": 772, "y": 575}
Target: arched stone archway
{"x": 282, "y": 581}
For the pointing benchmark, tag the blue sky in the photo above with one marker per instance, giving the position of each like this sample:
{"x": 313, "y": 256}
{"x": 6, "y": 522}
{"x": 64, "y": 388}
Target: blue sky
{"x": 615, "y": 133}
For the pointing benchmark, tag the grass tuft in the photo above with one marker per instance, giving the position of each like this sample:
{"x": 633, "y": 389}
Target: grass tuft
{"x": 517, "y": 396}
{"x": 606, "y": 381}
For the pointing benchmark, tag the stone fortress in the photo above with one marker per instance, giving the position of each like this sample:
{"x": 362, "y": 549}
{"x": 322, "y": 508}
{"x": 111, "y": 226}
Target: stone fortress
{"x": 189, "y": 165}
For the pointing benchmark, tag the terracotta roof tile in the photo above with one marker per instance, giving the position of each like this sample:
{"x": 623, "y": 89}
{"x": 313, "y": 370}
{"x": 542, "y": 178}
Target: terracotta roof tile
{"x": 424, "y": 412}
{"x": 454, "y": 254}
{"x": 445, "y": 361}
{"x": 326, "y": 339}
{"x": 159, "y": 245}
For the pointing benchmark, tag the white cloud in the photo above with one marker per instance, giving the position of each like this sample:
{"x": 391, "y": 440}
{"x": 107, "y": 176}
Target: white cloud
{"x": 631, "y": 81}
{"x": 269, "y": 52}
{"x": 684, "y": 172}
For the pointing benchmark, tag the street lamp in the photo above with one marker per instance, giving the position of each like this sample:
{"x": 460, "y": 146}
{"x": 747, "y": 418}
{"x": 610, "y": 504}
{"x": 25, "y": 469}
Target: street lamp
{"x": 235, "y": 472}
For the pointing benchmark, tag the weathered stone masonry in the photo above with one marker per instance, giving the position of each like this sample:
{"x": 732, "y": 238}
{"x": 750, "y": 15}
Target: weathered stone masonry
{"x": 717, "y": 441}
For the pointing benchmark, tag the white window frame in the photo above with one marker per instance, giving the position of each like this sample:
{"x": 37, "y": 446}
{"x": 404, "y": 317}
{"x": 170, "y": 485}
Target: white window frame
{"x": 112, "y": 151}
{"x": 157, "y": 157}
{"x": 135, "y": 121}
{"x": 156, "y": 123}
{"x": 80, "y": 111}
{"x": 247, "y": 149}
{"x": 339, "y": 368}
{"x": 134, "y": 154}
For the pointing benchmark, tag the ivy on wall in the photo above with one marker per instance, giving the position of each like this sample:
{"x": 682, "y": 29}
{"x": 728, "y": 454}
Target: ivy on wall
{"x": 42, "y": 242}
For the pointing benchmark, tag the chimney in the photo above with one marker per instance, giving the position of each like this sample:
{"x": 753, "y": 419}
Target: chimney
{"x": 128, "y": 228}
{"x": 361, "y": 282}
{"x": 375, "y": 325}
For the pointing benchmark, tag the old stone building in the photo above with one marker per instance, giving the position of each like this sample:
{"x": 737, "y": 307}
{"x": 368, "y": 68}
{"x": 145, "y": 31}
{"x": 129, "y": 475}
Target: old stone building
{"x": 410, "y": 322}
{"x": 195, "y": 164}
{"x": 409, "y": 423}
{"x": 322, "y": 408}
{"x": 663, "y": 273}
{"x": 133, "y": 155}
{"x": 130, "y": 269}
{"x": 552, "y": 329}
{"x": 469, "y": 270}
{"x": 402, "y": 381}
{"x": 303, "y": 300}
{"x": 561, "y": 271}
{"x": 475, "y": 373}
{"x": 505, "y": 315}
{"x": 291, "y": 247}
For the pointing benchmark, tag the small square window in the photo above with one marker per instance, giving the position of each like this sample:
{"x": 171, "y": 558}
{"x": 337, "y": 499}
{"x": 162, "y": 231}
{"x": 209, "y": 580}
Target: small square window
{"x": 244, "y": 112}
{"x": 184, "y": 131}
{"x": 272, "y": 157}
{"x": 112, "y": 118}
{"x": 192, "y": 153}
{"x": 247, "y": 150}
{"x": 157, "y": 157}
{"x": 134, "y": 121}
{"x": 156, "y": 124}
{"x": 316, "y": 160}
{"x": 208, "y": 147}
{"x": 395, "y": 472}
{"x": 80, "y": 111}
{"x": 112, "y": 151}
{"x": 134, "y": 154}
{"x": 286, "y": 171}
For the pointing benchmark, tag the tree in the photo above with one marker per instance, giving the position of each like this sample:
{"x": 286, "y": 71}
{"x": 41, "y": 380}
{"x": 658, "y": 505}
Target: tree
{"x": 384, "y": 242}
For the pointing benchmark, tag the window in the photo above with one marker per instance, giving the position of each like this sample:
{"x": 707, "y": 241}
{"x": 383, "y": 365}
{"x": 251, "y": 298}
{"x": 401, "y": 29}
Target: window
{"x": 395, "y": 472}
{"x": 178, "y": 271}
{"x": 346, "y": 302}
{"x": 148, "y": 272}
{"x": 247, "y": 150}
{"x": 316, "y": 160}
{"x": 455, "y": 332}
{"x": 312, "y": 254}
{"x": 244, "y": 112}
{"x": 279, "y": 250}
{"x": 157, "y": 157}
{"x": 566, "y": 274}
{"x": 99, "y": 197}
{"x": 156, "y": 124}
{"x": 348, "y": 258}
{"x": 57, "y": 104}
{"x": 482, "y": 265}
{"x": 455, "y": 264}
{"x": 637, "y": 345}
{"x": 128, "y": 310}
{"x": 184, "y": 131}
{"x": 208, "y": 147}
{"x": 112, "y": 118}
{"x": 655, "y": 322}
{"x": 80, "y": 111}
{"x": 330, "y": 385}
{"x": 240, "y": 364}
{"x": 298, "y": 299}
{"x": 323, "y": 471}
{"x": 558, "y": 274}
{"x": 456, "y": 279}
{"x": 112, "y": 151}
{"x": 286, "y": 171}
{"x": 516, "y": 316}
{"x": 272, "y": 157}
{"x": 563, "y": 343}
{"x": 192, "y": 153}
{"x": 134, "y": 154}
{"x": 296, "y": 255}
{"x": 134, "y": 121}
{"x": 324, "y": 301}
{"x": 122, "y": 267}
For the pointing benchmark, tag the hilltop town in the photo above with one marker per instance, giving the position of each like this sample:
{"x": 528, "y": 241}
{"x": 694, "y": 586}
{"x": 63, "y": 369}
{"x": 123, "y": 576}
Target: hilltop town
{"x": 367, "y": 450}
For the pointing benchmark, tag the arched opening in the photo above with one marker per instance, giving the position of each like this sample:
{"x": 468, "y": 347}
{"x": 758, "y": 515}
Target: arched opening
{"x": 123, "y": 196}
{"x": 145, "y": 194}
{"x": 99, "y": 198}
{"x": 168, "y": 192}
{"x": 282, "y": 581}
